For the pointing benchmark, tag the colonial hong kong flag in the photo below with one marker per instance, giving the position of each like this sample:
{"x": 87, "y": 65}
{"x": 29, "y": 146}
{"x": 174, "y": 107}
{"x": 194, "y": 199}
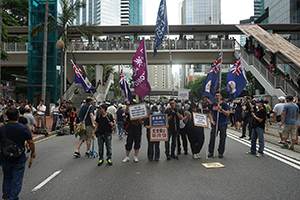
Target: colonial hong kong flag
{"x": 125, "y": 88}
{"x": 81, "y": 78}
{"x": 140, "y": 72}
{"x": 236, "y": 79}
{"x": 212, "y": 80}
{"x": 162, "y": 26}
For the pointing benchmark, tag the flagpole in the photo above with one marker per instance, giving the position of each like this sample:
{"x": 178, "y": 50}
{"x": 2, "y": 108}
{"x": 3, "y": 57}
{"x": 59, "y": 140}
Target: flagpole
{"x": 170, "y": 54}
{"x": 220, "y": 81}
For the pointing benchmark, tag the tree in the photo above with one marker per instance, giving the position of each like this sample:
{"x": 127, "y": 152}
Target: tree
{"x": 44, "y": 70}
{"x": 15, "y": 12}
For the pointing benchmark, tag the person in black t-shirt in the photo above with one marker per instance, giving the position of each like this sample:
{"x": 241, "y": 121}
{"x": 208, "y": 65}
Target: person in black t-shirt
{"x": 206, "y": 105}
{"x": 248, "y": 119}
{"x": 259, "y": 118}
{"x": 103, "y": 130}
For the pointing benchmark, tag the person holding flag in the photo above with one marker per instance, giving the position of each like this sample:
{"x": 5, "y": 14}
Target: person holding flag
{"x": 125, "y": 88}
{"x": 236, "y": 79}
{"x": 218, "y": 123}
{"x": 212, "y": 80}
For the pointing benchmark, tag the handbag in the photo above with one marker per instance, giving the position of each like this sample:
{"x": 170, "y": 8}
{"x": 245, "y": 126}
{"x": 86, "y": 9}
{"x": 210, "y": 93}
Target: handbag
{"x": 81, "y": 128}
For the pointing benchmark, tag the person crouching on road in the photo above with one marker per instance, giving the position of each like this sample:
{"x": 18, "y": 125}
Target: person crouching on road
{"x": 153, "y": 151}
{"x": 195, "y": 133}
{"x": 103, "y": 130}
{"x": 134, "y": 135}
{"x": 222, "y": 109}
{"x": 259, "y": 119}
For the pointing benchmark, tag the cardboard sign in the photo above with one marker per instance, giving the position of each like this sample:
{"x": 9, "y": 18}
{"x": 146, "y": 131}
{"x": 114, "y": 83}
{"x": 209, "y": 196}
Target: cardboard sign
{"x": 200, "y": 120}
{"x": 159, "y": 120}
{"x": 183, "y": 95}
{"x": 137, "y": 111}
{"x": 158, "y": 134}
{"x": 213, "y": 165}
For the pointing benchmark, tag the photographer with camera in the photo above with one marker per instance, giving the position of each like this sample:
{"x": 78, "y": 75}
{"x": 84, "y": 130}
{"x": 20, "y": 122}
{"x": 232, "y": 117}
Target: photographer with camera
{"x": 248, "y": 119}
{"x": 174, "y": 115}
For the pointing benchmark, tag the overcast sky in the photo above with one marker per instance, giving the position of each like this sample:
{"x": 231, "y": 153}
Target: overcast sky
{"x": 232, "y": 11}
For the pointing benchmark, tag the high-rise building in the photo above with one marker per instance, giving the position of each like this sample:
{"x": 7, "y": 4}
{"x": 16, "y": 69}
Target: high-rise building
{"x": 245, "y": 21}
{"x": 282, "y": 11}
{"x": 99, "y": 12}
{"x": 201, "y": 12}
{"x": 259, "y": 9}
{"x": 131, "y": 12}
{"x": 160, "y": 77}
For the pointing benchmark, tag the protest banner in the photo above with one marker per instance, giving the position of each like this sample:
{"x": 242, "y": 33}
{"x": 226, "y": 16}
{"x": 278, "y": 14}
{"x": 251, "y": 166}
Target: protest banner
{"x": 183, "y": 95}
{"x": 158, "y": 134}
{"x": 200, "y": 120}
{"x": 137, "y": 111}
{"x": 159, "y": 120}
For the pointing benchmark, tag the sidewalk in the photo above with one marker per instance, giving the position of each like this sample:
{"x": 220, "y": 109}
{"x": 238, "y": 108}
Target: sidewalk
{"x": 270, "y": 136}
{"x": 49, "y": 121}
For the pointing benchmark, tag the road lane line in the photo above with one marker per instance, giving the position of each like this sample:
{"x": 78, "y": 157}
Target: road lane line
{"x": 46, "y": 181}
{"x": 273, "y": 154}
{"x": 46, "y": 138}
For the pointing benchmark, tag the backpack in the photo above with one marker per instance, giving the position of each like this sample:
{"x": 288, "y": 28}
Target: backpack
{"x": 10, "y": 150}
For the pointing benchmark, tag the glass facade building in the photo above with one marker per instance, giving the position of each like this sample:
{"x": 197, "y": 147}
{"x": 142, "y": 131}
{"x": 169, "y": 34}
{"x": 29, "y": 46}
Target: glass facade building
{"x": 35, "y": 55}
{"x": 201, "y": 12}
{"x": 99, "y": 12}
{"x": 131, "y": 12}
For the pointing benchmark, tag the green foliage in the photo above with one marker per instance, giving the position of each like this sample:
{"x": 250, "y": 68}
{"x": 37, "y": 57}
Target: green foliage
{"x": 4, "y": 54}
{"x": 15, "y": 12}
{"x": 91, "y": 70}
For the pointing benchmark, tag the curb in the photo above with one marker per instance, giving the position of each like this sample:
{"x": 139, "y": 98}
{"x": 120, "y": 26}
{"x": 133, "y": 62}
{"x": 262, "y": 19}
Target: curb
{"x": 43, "y": 136}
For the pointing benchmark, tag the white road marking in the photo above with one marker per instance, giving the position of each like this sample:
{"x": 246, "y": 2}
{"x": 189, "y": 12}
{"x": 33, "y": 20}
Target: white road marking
{"x": 278, "y": 156}
{"x": 46, "y": 181}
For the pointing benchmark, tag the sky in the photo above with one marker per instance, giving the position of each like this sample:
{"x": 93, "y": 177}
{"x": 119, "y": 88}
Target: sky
{"x": 232, "y": 11}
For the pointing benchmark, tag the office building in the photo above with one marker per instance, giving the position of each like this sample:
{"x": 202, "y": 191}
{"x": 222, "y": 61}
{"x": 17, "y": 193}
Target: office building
{"x": 160, "y": 77}
{"x": 131, "y": 12}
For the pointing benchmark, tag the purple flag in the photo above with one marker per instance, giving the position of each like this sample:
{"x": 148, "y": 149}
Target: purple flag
{"x": 140, "y": 73}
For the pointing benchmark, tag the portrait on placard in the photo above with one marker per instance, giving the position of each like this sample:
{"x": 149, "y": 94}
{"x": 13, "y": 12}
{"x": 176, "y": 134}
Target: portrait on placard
{"x": 200, "y": 120}
{"x": 158, "y": 134}
{"x": 138, "y": 111}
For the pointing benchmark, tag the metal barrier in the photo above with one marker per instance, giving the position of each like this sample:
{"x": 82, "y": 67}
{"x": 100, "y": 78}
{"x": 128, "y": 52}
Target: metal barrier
{"x": 15, "y": 46}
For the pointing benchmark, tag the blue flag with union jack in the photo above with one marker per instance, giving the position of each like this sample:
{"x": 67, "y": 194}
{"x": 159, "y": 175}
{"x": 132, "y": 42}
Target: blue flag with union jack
{"x": 236, "y": 79}
{"x": 125, "y": 88}
{"x": 212, "y": 80}
{"x": 81, "y": 78}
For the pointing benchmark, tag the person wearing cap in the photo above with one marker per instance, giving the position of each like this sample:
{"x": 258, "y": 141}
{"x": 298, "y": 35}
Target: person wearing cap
{"x": 289, "y": 118}
{"x": 111, "y": 109}
{"x": 259, "y": 119}
{"x": 195, "y": 133}
{"x": 119, "y": 115}
{"x": 41, "y": 109}
{"x": 153, "y": 151}
{"x": 277, "y": 115}
{"x": 220, "y": 108}
{"x": 21, "y": 104}
{"x": 103, "y": 131}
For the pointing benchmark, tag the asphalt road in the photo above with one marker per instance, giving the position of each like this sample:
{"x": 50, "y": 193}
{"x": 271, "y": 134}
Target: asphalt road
{"x": 244, "y": 177}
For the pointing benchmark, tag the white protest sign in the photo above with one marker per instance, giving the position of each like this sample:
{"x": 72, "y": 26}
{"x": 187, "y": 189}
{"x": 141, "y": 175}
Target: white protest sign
{"x": 200, "y": 120}
{"x": 137, "y": 111}
{"x": 183, "y": 95}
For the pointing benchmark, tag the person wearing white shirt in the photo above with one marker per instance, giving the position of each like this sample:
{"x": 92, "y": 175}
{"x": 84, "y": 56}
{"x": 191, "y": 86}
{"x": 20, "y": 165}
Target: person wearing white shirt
{"x": 2, "y": 106}
{"x": 54, "y": 112}
{"x": 277, "y": 112}
{"x": 40, "y": 117}
{"x": 30, "y": 118}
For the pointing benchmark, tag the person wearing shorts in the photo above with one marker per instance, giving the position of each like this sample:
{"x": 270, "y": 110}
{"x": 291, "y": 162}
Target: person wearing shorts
{"x": 277, "y": 115}
{"x": 86, "y": 110}
{"x": 289, "y": 118}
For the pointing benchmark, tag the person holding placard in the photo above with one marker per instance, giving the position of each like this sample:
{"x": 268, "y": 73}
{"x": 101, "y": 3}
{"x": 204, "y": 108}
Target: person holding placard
{"x": 153, "y": 151}
{"x": 174, "y": 115}
{"x": 222, "y": 109}
{"x": 134, "y": 135}
{"x": 195, "y": 133}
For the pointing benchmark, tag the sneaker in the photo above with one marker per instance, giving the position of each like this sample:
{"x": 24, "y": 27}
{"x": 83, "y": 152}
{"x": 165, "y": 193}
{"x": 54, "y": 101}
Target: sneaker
{"x": 135, "y": 159}
{"x": 100, "y": 162}
{"x": 285, "y": 146}
{"x": 87, "y": 154}
{"x": 288, "y": 141}
{"x": 77, "y": 154}
{"x": 280, "y": 142}
{"x": 195, "y": 156}
{"x": 292, "y": 148}
{"x": 259, "y": 155}
{"x": 185, "y": 153}
{"x": 220, "y": 155}
{"x": 109, "y": 162}
{"x": 250, "y": 153}
{"x": 198, "y": 154}
{"x": 243, "y": 136}
{"x": 168, "y": 157}
{"x": 210, "y": 155}
{"x": 126, "y": 159}
{"x": 173, "y": 156}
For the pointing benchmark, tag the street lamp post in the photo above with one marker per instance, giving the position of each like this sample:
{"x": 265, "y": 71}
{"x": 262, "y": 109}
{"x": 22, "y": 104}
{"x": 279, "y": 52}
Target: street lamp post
{"x": 61, "y": 45}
